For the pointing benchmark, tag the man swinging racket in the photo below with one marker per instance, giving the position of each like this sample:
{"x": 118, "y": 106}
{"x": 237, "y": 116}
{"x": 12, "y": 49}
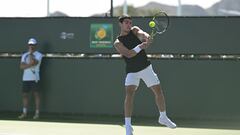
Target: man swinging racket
{"x": 131, "y": 44}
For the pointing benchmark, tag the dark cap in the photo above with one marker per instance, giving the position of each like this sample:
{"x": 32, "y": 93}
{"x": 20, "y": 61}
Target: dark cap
{"x": 121, "y": 18}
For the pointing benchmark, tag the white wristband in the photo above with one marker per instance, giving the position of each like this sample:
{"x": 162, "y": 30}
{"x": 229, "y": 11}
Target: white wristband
{"x": 137, "y": 49}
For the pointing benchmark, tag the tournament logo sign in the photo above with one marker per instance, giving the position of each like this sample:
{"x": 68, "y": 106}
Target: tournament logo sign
{"x": 101, "y": 36}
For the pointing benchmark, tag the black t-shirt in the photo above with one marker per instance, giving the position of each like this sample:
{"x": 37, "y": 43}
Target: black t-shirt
{"x": 138, "y": 62}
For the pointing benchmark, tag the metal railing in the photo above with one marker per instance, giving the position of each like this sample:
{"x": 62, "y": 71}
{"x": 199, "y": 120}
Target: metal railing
{"x": 168, "y": 56}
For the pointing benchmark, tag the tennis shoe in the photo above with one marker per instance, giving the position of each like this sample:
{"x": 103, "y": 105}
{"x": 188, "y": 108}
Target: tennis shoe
{"x": 22, "y": 116}
{"x": 36, "y": 116}
{"x": 164, "y": 120}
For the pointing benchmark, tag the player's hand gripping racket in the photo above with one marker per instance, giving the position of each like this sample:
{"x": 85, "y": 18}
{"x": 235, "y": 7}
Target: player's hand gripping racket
{"x": 29, "y": 59}
{"x": 159, "y": 23}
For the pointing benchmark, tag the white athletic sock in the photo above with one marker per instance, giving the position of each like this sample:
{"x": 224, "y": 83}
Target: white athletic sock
{"x": 37, "y": 112}
{"x": 128, "y": 121}
{"x": 24, "y": 110}
{"x": 163, "y": 114}
{"x": 128, "y": 126}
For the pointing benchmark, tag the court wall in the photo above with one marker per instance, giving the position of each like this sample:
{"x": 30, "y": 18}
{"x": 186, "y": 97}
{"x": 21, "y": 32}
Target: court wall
{"x": 193, "y": 88}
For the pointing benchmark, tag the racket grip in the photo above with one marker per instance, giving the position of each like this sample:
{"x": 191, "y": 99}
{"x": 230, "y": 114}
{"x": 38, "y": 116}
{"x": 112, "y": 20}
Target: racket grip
{"x": 151, "y": 35}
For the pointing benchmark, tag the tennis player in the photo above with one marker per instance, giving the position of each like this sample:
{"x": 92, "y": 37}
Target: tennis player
{"x": 30, "y": 64}
{"x": 131, "y": 44}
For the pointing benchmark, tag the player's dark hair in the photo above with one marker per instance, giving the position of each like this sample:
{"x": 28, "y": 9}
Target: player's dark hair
{"x": 121, "y": 18}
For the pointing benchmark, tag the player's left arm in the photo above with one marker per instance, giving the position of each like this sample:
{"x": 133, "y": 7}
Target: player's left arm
{"x": 38, "y": 58}
{"x": 33, "y": 60}
{"x": 142, "y": 35}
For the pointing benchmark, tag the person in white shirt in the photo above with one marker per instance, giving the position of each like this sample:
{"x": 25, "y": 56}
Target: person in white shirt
{"x": 30, "y": 64}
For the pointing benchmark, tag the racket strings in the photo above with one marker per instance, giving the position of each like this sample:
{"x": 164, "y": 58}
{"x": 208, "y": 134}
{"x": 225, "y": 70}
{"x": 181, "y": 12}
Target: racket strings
{"x": 161, "y": 24}
{"x": 161, "y": 20}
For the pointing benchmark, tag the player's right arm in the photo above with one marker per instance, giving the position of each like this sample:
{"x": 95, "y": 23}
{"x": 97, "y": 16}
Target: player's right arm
{"x": 24, "y": 65}
{"x": 126, "y": 52}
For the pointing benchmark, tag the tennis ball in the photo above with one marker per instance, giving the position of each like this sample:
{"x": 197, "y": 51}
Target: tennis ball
{"x": 152, "y": 24}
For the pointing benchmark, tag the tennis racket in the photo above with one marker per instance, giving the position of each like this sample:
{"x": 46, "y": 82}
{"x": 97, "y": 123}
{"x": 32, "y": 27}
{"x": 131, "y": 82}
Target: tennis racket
{"x": 161, "y": 23}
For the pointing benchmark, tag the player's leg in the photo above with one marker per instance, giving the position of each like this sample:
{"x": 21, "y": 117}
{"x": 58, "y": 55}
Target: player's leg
{"x": 131, "y": 84}
{"x": 37, "y": 99}
{"x": 160, "y": 102}
{"x": 159, "y": 97}
{"x": 37, "y": 103}
{"x": 128, "y": 108}
{"x": 25, "y": 94}
{"x": 129, "y": 98}
{"x": 152, "y": 81}
{"x": 25, "y": 104}
{"x": 25, "y": 101}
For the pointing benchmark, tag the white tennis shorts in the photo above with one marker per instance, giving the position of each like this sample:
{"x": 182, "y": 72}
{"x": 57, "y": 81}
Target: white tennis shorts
{"x": 149, "y": 77}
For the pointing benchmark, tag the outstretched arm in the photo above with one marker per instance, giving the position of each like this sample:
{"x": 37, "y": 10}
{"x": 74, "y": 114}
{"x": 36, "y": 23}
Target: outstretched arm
{"x": 126, "y": 52}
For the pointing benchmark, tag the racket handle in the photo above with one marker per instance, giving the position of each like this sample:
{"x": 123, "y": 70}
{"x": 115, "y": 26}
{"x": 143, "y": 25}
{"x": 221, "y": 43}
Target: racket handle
{"x": 152, "y": 35}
